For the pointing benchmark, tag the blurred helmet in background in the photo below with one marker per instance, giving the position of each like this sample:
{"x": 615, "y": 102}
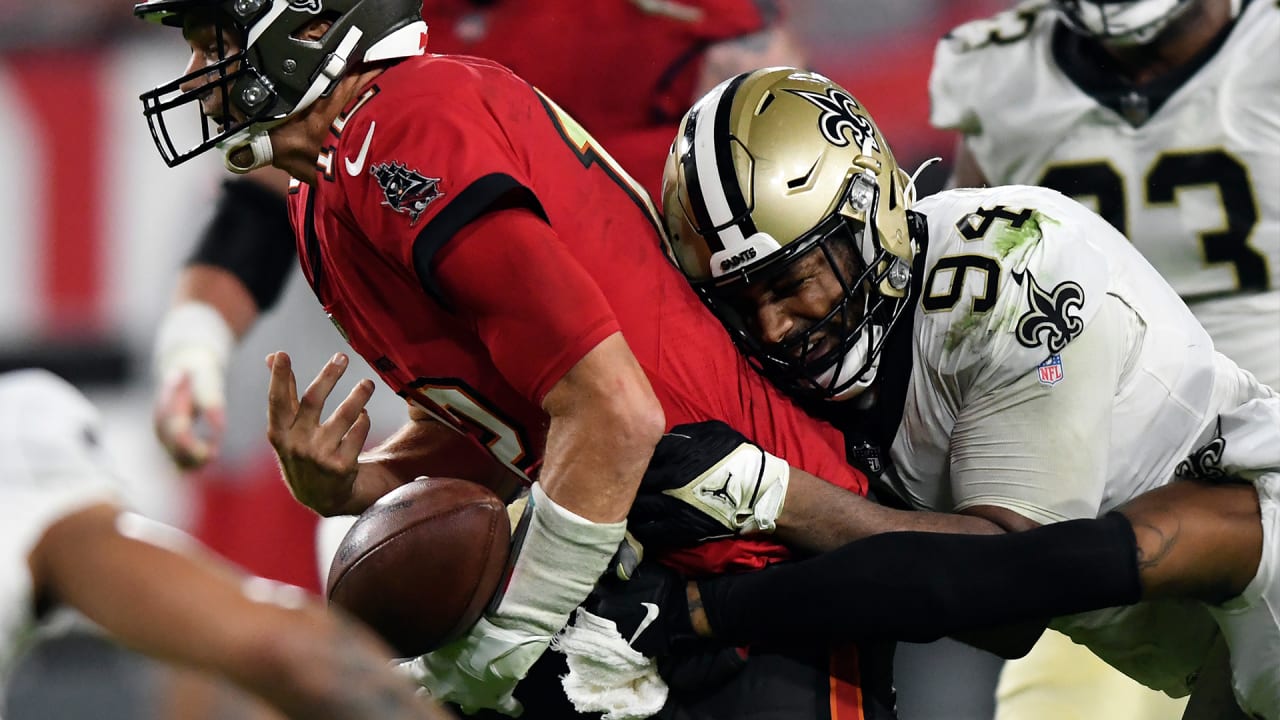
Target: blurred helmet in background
{"x": 1122, "y": 22}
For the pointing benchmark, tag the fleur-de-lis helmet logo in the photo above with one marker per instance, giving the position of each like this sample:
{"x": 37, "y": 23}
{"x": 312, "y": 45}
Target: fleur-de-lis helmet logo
{"x": 841, "y": 114}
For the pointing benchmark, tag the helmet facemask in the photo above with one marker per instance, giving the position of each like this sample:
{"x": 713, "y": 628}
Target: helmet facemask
{"x": 246, "y": 97}
{"x": 289, "y": 54}
{"x": 781, "y": 166}
{"x": 837, "y": 356}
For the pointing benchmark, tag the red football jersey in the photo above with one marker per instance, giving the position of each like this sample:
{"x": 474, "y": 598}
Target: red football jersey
{"x": 625, "y": 69}
{"x": 476, "y": 326}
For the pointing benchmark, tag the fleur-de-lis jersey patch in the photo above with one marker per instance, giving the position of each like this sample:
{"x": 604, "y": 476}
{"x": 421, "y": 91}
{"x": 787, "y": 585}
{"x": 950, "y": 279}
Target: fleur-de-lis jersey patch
{"x": 1205, "y": 462}
{"x": 1052, "y": 318}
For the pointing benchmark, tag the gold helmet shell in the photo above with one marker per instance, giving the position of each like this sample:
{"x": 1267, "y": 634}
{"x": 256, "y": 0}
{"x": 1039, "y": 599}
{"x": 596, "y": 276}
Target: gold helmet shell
{"x": 767, "y": 167}
{"x": 763, "y": 159}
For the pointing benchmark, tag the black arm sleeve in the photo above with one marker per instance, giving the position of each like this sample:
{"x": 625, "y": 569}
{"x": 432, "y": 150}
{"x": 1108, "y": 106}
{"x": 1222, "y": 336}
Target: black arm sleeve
{"x": 922, "y": 586}
{"x": 250, "y": 237}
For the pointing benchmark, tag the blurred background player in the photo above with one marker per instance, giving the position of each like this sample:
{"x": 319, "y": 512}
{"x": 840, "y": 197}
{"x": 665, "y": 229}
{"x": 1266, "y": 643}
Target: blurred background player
{"x": 1162, "y": 115}
{"x": 69, "y": 544}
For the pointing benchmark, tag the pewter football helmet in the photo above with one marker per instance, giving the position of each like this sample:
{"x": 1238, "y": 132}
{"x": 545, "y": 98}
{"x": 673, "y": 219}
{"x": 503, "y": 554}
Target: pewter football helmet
{"x": 772, "y": 165}
{"x": 273, "y": 74}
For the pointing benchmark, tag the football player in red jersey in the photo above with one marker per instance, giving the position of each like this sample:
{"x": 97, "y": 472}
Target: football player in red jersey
{"x": 501, "y": 273}
{"x": 441, "y": 224}
{"x": 658, "y": 56}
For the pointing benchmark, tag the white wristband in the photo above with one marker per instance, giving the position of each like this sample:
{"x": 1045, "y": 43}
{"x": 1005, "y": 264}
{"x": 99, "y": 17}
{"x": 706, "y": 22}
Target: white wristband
{"x": 560, "y": 558}
{"x": 194, "y": 339}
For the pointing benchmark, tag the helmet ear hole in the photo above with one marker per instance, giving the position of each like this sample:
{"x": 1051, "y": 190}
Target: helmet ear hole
{"x": 314, "y": 29}
{"x": 866, "y": 162}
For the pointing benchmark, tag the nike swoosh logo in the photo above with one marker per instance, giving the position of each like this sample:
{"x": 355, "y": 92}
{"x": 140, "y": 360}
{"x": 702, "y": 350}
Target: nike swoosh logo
{"x": 650, "y": 614}
{"x": 354, "y": 168}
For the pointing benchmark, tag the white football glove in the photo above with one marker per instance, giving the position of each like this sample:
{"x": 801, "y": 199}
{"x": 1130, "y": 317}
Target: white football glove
{"x": 481, "y": 670}
{"x": 558, "y": 558}
{"x": 191, "y": 351}
{"x": 706, "y": 480}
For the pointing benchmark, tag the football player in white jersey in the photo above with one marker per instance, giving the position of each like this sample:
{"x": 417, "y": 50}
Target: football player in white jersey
{"x": 1164, "y": 117}
{"x": 67, "y": 542}
{"x": 1015, "y": 355}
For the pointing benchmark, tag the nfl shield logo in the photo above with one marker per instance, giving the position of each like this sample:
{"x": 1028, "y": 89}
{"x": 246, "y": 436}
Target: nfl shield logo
{"x": 1050, "y": 370}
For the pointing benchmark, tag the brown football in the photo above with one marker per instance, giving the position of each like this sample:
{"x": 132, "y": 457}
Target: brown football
{"x": 420, "y": 565}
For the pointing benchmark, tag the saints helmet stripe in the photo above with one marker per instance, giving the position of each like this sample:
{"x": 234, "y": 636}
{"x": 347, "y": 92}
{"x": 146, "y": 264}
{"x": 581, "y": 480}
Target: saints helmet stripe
{"x": 693, "y": 187}
{"x": 711, "y": 179}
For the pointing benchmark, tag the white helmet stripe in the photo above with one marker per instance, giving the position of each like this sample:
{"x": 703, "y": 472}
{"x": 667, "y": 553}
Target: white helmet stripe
{"x": 707, "y": 165}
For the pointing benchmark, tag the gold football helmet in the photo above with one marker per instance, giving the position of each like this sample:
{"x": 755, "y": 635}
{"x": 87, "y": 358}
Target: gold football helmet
{"x": 767, "y": 167}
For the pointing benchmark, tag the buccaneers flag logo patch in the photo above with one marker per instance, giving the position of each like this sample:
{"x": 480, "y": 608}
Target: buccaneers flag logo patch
{"x": 406, "y": 191}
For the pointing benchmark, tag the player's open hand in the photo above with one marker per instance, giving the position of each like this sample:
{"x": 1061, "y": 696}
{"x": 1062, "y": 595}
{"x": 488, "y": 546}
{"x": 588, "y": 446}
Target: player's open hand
{"x": 319, "y": 459}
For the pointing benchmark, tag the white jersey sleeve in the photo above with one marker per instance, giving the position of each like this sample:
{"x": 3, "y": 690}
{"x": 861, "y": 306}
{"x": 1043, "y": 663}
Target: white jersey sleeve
{"x": 1008, "y": 284}
{"x": 971, "y": 88}
{"x": 51, "y": 465}
{"x": 1042, "y": 343}
{"x": 1012, "y": 275}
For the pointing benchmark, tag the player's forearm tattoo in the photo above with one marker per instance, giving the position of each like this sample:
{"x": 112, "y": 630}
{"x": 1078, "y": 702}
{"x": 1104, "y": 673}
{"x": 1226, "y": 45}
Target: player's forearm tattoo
{"x": 697, "y": 612}
{"x": 1154, "y": 544}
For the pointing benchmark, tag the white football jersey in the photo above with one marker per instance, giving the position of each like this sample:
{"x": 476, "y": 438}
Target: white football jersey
{"x": 1014, "y": 280}
{"x": 1056, "y": 374}
{"x": 1188, "y": 168}
{"x": 51, "y": 465}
